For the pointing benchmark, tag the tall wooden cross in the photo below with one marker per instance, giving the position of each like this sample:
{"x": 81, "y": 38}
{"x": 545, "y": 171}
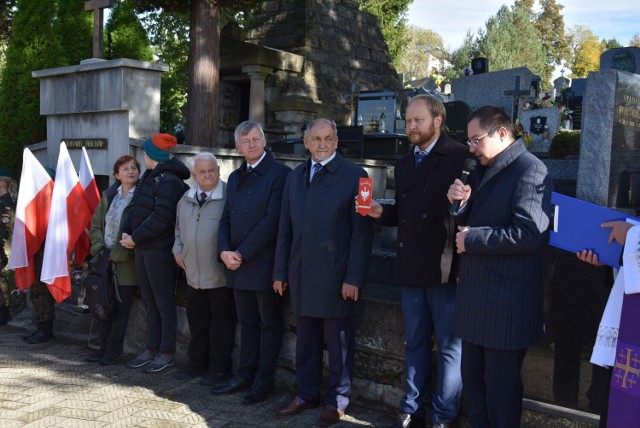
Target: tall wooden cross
{"x": 97, "y": 6}
{"x": 516, "y": 92}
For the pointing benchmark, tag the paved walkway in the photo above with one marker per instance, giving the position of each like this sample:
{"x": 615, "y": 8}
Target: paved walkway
{"x": 51, "y": 385}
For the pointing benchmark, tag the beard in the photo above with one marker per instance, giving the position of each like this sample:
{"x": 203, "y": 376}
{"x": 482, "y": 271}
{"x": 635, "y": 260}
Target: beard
{"x": 419, "y": 139}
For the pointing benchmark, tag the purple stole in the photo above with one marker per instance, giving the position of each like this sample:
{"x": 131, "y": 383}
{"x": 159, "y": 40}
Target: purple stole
{"x": 624, "y": 399}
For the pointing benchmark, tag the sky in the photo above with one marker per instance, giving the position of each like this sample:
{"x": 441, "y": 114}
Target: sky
{"x": 618, "y": 19}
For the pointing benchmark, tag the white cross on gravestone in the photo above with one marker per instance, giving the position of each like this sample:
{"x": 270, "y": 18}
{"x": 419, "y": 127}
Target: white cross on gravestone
{"x": 97, "y": 6}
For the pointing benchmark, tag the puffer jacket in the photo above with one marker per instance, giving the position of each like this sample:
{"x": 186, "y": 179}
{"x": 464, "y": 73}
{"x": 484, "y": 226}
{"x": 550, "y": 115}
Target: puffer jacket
{"x": 196, "y": 235}
{"x": 153, "y": 217}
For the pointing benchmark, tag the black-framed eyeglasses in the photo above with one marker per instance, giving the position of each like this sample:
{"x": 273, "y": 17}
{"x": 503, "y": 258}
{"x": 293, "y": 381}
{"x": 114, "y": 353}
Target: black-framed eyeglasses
{"x": 476, "y": 141}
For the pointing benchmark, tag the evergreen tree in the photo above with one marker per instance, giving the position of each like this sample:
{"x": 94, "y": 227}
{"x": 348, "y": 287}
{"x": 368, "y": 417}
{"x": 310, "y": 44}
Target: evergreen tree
{"x": 126, "y": 37}
{"x": 512, "y": 41}
{"x": 34, "y": 46}
{"x": 74, "y": 27}
{"x": 610, "y": 44}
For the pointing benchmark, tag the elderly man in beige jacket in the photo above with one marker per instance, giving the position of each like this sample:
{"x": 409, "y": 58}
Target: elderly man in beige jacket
{"x": 210, "y": 306}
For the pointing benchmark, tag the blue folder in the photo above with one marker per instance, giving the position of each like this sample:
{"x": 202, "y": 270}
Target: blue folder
{"x": 577, "y": 227}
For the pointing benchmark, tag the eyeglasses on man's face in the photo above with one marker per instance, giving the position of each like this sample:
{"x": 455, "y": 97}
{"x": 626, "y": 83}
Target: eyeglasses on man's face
{"x": 475, "y": 141}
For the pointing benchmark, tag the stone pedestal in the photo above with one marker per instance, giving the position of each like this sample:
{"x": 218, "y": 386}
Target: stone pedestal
{"x": 104, "y": 102}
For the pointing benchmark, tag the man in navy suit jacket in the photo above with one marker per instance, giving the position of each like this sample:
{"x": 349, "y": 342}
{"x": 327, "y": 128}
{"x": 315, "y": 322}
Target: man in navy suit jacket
{"x": 323, "y": 250}
{"x": 247, "y": 245}
{"x": 499, "y": 301}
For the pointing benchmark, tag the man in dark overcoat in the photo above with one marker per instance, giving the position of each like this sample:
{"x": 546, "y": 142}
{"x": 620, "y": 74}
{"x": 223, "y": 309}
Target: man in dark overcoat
{"x": 499, "y": 301}
{"x": 425, "y": 268}
{"x": 247, "y": 245}
{"x": 323, "y": 250}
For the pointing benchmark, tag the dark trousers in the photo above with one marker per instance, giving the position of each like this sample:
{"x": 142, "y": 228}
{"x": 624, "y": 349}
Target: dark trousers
{"x": 261, "y": 331}
{"x": 492, "y": 386}
{"x": 309, "y": 349}
{"x": 156, "y": 275}
{"x": 211, "y": 314}
{"x": 113, "y": 332}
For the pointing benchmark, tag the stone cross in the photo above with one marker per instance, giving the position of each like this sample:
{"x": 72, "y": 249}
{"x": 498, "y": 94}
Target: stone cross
{"x": 97, "y": 6}
{"x": 515, "y": 93}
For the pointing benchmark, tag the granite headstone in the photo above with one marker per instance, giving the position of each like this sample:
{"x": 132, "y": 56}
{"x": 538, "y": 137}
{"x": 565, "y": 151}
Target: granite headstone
{"x": 456, "y": 123}
{"x": 609, "y": 169}
{"x": 505, "y": 88}
{"x": 542, "y": 125}
{"x": 623, "y": 59}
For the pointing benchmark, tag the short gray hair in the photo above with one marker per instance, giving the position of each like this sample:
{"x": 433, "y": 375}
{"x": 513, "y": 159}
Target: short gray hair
{"x": 202, "y": 156}
{"x": 245, "y": 127}
{"x": 321, "y": 121}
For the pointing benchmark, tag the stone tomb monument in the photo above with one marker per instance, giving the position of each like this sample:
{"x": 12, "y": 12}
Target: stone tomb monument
{"x": 377, "y": 111}
{"x": 505, "y": 88}
{"x": 609, "y": 170}
{"x": 103, "y": 105}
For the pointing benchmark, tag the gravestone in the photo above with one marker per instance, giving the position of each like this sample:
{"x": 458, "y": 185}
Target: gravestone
{"x": 504, "y": 88}
{"x": 377, "y": 110}
{"x": 542, "y": 125}
{"x": 573, "y": 100}
{"x": 456, "y": 123}
{"x": 623, "y": 59}
{"x": 609, "y": 170}
{"x": 560, "y": 84}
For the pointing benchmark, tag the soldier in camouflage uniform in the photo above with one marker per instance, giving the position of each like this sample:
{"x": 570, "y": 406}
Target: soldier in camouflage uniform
{"x": 7, "y": 208}
{"x": 44, "y": 305}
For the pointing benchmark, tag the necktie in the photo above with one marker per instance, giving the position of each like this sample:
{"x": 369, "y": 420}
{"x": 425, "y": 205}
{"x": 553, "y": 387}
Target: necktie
{"x": 249, "y": 168}
{"x": 316, "y": 167}
{"x": 203, "y": 197}
{"x": 420, "y": 157}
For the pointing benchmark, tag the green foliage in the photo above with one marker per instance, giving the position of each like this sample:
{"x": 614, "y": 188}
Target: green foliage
{"x": 610, "y": 44}
{"x": 565, "y": 143}
{"x": 6, "y": 16}
{"x": 34, "y": 46}
{"x": 169, "y": 36}
{"x": 74, "y": 27}
{"x": 512, "y": 41}
{"x": 415, "y": 58}
{"x": 390, "y": 13}
{"x": 126, "y": 37}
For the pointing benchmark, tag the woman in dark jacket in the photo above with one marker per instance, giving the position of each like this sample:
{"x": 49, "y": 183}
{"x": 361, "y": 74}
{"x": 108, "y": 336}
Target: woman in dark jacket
{"x": 106, "y": 232}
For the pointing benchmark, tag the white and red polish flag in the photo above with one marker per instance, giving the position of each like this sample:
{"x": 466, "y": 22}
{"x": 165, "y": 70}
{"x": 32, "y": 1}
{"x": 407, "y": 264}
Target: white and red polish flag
{"x": 32, "y": 217}
{"x": 91, "y": 192}
{"x": 68, "y": 217}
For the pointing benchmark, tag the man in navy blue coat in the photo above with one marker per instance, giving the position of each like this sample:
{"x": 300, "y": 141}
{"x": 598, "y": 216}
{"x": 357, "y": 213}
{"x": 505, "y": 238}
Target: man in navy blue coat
{"x": 498, "y": 309}
{"x": 323, "y": 250}
{"x": 246, "y": 245}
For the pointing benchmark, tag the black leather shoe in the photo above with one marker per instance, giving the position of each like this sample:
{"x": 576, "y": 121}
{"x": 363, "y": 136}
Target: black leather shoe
{"x": 258, "y": 392}
{"x": 95, "y": 357}
{"x": 39, "y": 337}
{"x": 234, "y": 385}
{"x": 188, "y": 372}
{"x": 110, "y": 358}
{"x": 213, "y": 378}
{"x": 407, "y": 420}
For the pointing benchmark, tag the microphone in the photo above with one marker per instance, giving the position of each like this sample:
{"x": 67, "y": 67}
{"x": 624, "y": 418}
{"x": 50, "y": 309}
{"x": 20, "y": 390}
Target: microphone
{"x": 468, "y": 167}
